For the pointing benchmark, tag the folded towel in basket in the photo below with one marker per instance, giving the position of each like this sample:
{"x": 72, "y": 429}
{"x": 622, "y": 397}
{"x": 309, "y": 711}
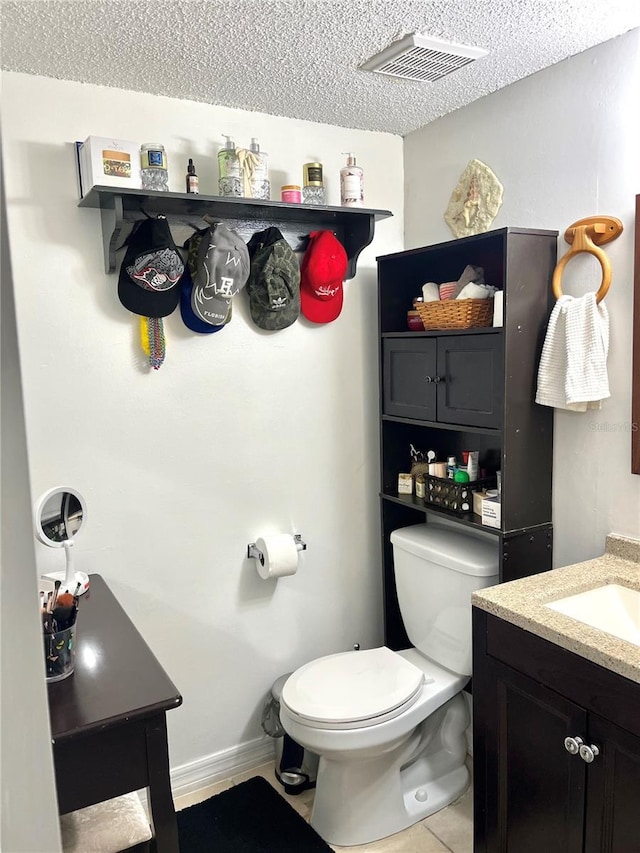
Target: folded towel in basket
{"x": 573, "y": 366}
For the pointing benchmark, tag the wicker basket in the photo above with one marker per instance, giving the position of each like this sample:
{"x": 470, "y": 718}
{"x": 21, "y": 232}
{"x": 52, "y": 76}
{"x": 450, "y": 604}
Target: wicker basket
{"x": 456, "y": 313}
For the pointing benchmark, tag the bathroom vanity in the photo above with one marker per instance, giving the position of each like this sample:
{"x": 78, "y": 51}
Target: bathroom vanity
{"x": 556, "y": 716}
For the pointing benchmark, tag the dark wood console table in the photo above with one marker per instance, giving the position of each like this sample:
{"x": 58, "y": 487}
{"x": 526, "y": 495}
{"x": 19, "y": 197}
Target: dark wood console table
{"x": 108, "y": 721}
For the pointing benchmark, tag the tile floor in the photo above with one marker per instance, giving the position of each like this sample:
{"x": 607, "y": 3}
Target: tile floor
{"x": 448, "y": 831}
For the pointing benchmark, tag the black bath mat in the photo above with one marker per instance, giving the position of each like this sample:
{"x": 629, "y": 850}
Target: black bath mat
{"x": 248, "y": 818}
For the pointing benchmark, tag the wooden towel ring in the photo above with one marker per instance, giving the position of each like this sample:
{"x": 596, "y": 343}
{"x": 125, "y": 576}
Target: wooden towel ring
{"x": 586, "y": 235}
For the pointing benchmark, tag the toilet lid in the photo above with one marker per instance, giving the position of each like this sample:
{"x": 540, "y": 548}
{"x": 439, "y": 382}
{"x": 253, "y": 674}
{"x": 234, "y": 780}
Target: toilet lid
{"x": 352, "y": 686}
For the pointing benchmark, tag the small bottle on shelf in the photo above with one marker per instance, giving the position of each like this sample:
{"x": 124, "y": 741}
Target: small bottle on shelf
{"x": 191, "y": 178}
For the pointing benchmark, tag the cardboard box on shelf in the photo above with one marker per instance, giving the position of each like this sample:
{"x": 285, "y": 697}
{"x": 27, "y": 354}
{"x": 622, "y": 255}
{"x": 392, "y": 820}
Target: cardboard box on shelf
{"x": 105, "y": 162}
{"x": 491, "y": 516}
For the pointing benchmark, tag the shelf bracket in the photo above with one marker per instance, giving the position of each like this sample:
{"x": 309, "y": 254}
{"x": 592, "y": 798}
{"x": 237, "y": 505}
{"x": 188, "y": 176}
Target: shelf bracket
{"x": 357, "y": 236}
{"x": 113, "y": 229}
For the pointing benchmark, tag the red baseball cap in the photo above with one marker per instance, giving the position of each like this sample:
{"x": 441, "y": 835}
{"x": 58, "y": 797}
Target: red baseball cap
{"x": 322, "y": 272}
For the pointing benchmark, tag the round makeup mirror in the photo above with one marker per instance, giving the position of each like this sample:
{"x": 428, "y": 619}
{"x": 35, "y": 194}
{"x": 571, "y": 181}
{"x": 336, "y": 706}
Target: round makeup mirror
{"x": 58, "y": 519}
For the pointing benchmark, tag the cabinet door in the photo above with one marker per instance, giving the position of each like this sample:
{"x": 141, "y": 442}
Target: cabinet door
{"x": 409, "y": 369}
{"x": 613, "y": 790}
{"x": 534, "y": 788}
{"x": 470, "y": 390}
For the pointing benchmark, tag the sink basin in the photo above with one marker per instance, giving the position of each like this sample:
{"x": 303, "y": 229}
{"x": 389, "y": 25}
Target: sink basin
{"x": 611, "y": 608}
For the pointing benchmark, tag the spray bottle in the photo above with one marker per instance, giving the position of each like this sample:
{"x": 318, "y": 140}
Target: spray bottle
{"x": 351, "y": 183}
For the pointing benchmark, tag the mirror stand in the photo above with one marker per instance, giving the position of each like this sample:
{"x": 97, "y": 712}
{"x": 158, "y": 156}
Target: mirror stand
{"x": 59, "y": 515}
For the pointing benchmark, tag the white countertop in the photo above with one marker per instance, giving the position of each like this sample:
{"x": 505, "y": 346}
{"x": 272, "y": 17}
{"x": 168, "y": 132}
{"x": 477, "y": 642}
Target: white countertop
{"x": 522, "y": 603}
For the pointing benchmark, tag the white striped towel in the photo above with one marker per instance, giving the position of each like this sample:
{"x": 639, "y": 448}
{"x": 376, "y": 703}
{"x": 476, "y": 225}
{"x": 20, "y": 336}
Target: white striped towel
{"x": 573, "y": 366}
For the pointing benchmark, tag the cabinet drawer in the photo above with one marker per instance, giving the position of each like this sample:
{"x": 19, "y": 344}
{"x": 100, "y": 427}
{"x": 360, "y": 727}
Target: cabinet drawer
{"x": 408, "y": 367}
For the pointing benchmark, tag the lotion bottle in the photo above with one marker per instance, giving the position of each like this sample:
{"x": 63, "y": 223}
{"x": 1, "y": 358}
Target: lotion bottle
{"x": 351, "y": 183}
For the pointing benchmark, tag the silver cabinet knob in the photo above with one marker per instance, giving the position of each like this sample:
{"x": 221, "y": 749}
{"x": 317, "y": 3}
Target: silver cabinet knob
{"x": 437, "y": 378}
{"x": 573, "y": 744}
{"x": 429, "y": 378}
{"x": 588, "y": 753}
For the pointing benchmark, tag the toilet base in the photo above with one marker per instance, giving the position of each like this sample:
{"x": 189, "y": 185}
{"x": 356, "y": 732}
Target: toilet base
{"x": 360, "y": 801}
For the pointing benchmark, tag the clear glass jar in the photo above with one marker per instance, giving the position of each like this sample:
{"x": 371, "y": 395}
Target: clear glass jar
{"x": 153, "y": 163}
{"x": 313, "y": 195}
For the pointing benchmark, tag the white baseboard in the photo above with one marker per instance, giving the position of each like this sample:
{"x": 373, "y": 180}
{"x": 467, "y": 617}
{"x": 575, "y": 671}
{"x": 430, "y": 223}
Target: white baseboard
{"x": 210, "y": 769}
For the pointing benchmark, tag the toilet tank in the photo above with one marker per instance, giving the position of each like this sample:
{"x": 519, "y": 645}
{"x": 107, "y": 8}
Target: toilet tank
{"x": 436, "y": 570}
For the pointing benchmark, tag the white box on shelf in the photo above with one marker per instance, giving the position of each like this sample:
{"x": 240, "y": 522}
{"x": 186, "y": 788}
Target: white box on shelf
{"x": 498, "y": 308}
{"x": 491, "y": 516}
{"x": 108, "y": 162}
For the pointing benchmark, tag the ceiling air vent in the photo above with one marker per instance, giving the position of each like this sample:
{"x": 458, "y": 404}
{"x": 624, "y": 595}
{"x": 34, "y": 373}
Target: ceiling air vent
{"x": 417, "y": 57}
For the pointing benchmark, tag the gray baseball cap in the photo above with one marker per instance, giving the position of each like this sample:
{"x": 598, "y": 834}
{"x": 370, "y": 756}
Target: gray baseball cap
{"x": 221, "y": 271}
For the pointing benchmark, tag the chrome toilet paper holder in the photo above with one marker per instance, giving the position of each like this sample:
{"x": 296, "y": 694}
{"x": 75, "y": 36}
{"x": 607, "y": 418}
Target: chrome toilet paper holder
{"x": 256, "y": 553}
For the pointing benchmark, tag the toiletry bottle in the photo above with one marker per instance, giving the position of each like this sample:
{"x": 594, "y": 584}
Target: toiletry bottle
{"x": 192, "y": 178}
{"x": 260, "y": 187}
{"x": 229, "y": 184}
{"x": 351, "y": 183}
{"x": 451, "y": 467}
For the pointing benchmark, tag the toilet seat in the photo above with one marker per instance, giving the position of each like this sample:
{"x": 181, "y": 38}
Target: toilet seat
{"x": 352, "y": 689}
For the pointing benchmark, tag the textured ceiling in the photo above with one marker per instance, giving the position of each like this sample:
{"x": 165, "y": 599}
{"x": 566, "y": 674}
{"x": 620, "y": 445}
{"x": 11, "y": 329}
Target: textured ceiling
{"x": 300, "y": 58}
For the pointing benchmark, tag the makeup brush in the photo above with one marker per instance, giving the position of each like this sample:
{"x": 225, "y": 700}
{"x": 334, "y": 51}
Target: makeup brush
{"x": 64, "y": 612}
{"x": 52, "y": 600}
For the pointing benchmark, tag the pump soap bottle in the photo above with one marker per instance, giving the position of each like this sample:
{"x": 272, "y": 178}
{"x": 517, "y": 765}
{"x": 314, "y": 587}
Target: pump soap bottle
{"x": 260, "y": 187}
{"x": 230, "y": 183}
{"x": 351, "y": 183}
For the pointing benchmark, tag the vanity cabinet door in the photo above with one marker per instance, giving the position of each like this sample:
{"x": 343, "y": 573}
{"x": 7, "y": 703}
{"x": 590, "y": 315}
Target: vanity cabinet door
{"x": 471, "y": 388}
{"x": 409, "y": 370}
{"x": 534, "y": 787}
{"x": 613, "y": 792}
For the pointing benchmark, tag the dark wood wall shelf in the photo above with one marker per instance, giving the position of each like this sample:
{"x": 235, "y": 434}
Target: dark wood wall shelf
{"x": 483, "y": 398}
{"x": 121, "y": 207}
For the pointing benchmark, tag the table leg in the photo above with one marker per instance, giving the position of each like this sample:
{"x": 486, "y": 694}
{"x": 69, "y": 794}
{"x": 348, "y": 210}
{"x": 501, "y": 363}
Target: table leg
{"x": 161, "y": 810}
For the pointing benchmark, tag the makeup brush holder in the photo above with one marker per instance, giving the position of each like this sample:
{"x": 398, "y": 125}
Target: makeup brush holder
{"x": 60, "y": 653}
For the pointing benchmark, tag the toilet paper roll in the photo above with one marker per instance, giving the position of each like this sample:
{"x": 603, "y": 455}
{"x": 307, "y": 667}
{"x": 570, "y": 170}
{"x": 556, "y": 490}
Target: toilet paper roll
{"x": 280, "y": 556}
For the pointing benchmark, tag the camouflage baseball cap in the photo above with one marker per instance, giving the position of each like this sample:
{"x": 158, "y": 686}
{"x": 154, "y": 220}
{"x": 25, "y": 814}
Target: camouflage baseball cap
{"x": 274, "y": 281}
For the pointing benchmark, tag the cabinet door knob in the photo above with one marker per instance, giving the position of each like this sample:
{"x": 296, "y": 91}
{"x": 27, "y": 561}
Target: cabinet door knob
{"x": 438, "y": 379}
{"x": 573, "y": 744}
{"x": 429, "y": 378}
{"x": 588, "y": 753}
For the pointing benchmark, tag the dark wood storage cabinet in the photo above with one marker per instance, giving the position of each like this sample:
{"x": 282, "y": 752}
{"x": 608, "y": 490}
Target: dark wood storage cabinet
{"x": 530, "y": 793}
{"x": 473, "y": 389}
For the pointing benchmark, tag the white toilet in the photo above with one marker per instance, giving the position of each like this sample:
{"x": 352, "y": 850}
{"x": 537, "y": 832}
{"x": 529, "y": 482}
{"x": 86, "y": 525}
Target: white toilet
{"x": 389, "y": 727}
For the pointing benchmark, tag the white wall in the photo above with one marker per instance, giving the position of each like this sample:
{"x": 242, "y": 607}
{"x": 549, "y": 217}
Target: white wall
{"x": 26, "y": 769}
{"x": 565, "y": 143}
{"x": 238, "y": 434}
